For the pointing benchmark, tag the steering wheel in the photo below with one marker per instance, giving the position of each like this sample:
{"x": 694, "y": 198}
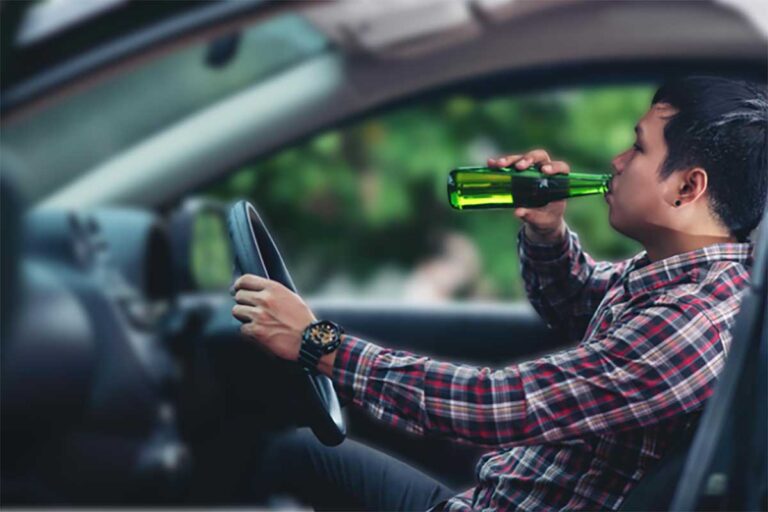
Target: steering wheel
{"x": 256, "y": 253}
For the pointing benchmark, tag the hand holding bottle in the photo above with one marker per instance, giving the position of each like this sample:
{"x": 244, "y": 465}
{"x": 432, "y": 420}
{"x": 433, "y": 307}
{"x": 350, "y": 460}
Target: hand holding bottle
{"x": 544, "y": 224}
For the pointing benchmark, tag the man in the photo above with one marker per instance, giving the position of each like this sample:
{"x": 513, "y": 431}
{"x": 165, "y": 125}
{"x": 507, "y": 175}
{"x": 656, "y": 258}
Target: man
{"x": 577, "y": 429}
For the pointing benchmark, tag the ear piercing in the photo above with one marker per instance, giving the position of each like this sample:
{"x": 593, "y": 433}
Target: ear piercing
{"x": 677, "y": 203}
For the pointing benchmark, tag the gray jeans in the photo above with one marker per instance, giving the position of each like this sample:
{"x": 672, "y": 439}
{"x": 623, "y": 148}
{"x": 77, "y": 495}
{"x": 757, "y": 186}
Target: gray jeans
{"x": 351, "y": 476}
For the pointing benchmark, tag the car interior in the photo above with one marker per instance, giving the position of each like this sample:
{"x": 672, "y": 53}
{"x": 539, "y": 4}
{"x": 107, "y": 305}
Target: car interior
{"x": 124, "y": 377}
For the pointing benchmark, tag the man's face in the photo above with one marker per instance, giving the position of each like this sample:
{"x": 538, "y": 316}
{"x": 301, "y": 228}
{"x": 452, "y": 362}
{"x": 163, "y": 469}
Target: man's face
{"x": 639, "y": 202}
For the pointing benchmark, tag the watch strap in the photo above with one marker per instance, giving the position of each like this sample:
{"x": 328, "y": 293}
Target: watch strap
{"x": 309, "y": 354}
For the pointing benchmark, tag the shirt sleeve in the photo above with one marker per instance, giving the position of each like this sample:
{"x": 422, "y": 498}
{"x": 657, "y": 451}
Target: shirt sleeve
{"x": 655, "y": 363}
{"x": 563, "y": 283}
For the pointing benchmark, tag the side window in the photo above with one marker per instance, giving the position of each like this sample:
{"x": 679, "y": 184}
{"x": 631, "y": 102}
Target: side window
{"x": 362, "y": 211}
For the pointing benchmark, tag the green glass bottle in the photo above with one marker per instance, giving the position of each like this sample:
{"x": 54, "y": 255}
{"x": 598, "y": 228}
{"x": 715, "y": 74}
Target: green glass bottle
{"x": 471, "y": 188}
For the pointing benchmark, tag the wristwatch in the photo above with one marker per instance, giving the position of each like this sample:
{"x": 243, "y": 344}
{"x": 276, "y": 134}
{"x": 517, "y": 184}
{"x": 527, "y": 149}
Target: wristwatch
{"x": 319, "y": 338}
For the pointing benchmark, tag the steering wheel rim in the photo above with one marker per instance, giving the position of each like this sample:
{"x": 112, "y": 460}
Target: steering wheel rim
{"x": 255, "y": 252}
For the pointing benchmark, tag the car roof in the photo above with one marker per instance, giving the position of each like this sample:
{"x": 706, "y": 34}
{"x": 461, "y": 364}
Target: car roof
{"x": 100, "y": 34}
{"x": 383, "y": 53}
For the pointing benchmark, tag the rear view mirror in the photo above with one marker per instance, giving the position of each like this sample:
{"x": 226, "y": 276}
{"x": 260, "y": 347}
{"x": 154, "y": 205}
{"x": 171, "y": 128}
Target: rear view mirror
{"x": 202, "y": 252}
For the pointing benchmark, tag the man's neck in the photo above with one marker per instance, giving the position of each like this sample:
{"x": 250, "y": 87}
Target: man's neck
{"x": 681, "y": 243}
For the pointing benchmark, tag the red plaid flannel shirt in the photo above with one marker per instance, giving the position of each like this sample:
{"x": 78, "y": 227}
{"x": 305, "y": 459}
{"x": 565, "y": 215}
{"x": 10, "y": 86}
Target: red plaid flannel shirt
{"x": 576, "y": 429}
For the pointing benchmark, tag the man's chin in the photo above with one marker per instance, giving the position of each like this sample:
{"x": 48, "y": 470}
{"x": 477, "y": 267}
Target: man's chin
{"x": 612, "y": 217}
{"x": 615, "y": 221}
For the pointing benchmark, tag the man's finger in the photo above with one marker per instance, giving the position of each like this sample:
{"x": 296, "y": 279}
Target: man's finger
{"x": 244, "y": 313}
{"x": 504, "y": 161}
{"x": 556, "y": 167}
{"x": 252, "y": 329}
{"x": 252, "y": 282}
{"x": 250, "y": 298}
{"x": 521, "y": 213}
{"x": 536, "y": 156}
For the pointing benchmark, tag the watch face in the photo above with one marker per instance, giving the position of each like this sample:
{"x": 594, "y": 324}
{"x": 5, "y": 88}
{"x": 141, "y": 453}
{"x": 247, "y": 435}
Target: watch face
{"x": 324, "y": 333}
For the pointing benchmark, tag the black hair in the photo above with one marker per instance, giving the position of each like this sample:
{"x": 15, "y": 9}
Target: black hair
{"x": 721, "y": 125}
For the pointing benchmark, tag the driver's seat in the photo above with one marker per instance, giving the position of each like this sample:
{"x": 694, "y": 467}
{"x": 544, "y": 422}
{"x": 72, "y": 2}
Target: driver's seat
{"x": 733, "y": 426}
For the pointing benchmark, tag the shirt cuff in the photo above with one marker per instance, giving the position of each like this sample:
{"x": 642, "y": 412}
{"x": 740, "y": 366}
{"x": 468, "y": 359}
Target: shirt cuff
{"x": 352, "y": 366}
{"x": 544, "y": 252}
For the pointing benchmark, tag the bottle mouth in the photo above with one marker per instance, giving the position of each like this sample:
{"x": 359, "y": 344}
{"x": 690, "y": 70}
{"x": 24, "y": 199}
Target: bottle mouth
{"x": 609, "y": 185}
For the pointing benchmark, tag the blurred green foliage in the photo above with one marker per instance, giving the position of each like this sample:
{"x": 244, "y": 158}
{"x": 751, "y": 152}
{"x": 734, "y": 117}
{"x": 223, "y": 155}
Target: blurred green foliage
{"x": 210, "y": 253}
{"x": 372, "y": 195}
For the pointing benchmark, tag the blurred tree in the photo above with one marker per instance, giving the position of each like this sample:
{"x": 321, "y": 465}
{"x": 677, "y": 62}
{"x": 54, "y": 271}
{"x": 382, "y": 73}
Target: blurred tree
{"x": 370, "y": 197}
{"x": 210, "y": 260}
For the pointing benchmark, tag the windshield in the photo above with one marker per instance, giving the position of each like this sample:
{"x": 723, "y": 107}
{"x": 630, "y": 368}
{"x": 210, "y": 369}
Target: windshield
{"x": 88, "y": 127}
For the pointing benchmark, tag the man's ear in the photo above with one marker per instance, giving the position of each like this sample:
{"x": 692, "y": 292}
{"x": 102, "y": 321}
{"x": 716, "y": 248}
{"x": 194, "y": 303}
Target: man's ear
{"x": 693, "y": 183}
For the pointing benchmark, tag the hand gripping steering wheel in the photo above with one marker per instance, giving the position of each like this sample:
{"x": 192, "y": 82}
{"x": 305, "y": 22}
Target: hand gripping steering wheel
{"x": 256, "y": 253}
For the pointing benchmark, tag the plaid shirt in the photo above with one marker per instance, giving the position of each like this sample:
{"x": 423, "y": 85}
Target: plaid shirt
{"x": 576, "y": 429}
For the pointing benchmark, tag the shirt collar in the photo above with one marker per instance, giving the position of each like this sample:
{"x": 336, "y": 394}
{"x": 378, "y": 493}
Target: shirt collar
{"x": 644, "y": 275}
